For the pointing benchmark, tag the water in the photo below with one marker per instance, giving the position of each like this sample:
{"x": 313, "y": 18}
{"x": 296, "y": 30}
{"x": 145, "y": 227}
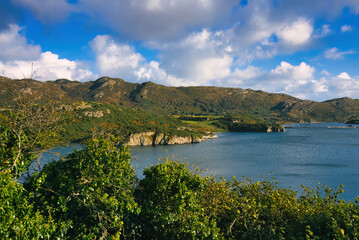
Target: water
{"x": 46, "y": 157}
{"x": 306, "y": 154}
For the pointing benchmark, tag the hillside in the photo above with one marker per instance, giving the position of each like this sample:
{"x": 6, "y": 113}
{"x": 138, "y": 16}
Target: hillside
{"x": 160, "y": 99}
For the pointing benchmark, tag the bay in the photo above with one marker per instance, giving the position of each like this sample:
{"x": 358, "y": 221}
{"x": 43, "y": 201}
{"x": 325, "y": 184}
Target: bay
{"x": 306, "y": 154}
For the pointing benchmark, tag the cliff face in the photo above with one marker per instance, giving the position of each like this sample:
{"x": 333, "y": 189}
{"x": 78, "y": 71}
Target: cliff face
{"x": 152, "y": 138}
{"x": 276, "y": 129}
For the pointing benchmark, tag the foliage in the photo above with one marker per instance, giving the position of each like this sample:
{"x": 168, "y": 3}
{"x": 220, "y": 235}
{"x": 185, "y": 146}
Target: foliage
{"x": 93, "y": 194}
{"x": 247, "y": 124}
{"x": 15, "y": 153}
{"x": 121, "y": 122}
{"x": 90, "y": 189}
{"x": 26, "y": 130}
{"x": 18, "y": 217}
{"x": 169, "y": 197}
{"x": 260, "y": 210}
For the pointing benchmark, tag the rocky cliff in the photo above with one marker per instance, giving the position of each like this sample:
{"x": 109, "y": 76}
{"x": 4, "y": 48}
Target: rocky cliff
{"x": 152, "y": 138}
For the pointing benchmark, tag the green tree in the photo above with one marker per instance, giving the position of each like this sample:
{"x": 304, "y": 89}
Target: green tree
{"x": 18, "y": 217}
{"x": 90, "y": 189}
{"x": 169, "y": 196}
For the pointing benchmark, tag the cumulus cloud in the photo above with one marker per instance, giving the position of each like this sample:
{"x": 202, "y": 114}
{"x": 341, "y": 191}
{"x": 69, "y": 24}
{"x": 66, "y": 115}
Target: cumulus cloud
{"x": 264, "y": 31}
{"x": 296, "y": 80}
{"x": 158, "y": 19}
{"x": 14, "y": 46}
{"x": 201, "y": 57}
{"x": 334, "y": 54}
{"x": 346, "y": 28}
{"x": 19, "y": 59}
{"x": 286, "y": 78}
{"x": 121, "y": 60}
{"x": 205, "y": 58}
{"x": 115, "y": 59}
{"x": 343, "y": 85}
{"x": 296, "y": 33}
{"x": 48, "y": 11}
{"x": 47, "y": 67}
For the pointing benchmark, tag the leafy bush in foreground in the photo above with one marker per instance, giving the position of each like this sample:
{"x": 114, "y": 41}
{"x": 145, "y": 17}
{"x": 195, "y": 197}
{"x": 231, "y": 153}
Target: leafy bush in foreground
{"x": 90, "y": 189}
{"x": 169, "y": 197}
{"x": 18, "y": 217}
{"x": 93, "y": 194}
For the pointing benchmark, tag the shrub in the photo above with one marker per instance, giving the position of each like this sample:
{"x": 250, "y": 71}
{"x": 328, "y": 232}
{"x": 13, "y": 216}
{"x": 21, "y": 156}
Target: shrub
{"x": 169, "y": 197}
{"x": 90, "y": 189}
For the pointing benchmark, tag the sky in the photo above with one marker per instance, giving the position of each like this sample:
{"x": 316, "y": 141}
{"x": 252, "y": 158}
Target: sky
{"x": 308, "y": 48}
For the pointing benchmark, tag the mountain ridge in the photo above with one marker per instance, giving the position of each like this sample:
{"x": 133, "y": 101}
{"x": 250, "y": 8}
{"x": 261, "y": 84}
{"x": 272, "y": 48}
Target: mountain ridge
{"x": 198, "y": 100}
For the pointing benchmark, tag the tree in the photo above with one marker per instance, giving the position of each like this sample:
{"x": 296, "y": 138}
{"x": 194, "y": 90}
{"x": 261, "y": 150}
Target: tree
{"x": 90, "y": 189}
{"x": 26, "y": 130}
{"x": 18, "y": 217}
{"x": 169, "y": 197}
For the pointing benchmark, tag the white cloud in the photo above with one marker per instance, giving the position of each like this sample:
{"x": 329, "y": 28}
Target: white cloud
{"x": 334, "y": 54}
{"x": 325, "y": 72}
{"x": 115, "y": 59}
{"x": 48, "y": 11}
{"x": 323, "y": 31}
{"x": 296, "y": 33}
{"x": 201, "y": 57}
{"x": 343, "y": 85}
{"x": 302, "y": 71}
{"x": 208, "y": 58}
{"x": 14, "y": 46}
{"x": 346, "y": 28}
{"x": 48, "y": 67}
{"x": 121, "y": 60}
{"x": 344, "y": 76}
{"x": 19, "y": 59}
{"x": 158, "y": 19}
{"x": 297, "y": 80}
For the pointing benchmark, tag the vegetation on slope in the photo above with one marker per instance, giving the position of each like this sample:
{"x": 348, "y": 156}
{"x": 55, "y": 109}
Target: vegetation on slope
{"x": 82, "y": 120}
{"x": 162, "y": 100}
{"x": 234, "y": 123}
{"x": 93, "y": 194}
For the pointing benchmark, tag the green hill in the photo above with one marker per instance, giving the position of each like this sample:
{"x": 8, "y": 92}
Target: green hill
{"x": 159, "y": 99}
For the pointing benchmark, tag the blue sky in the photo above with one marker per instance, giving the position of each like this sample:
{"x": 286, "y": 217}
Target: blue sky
{"x": 308, "y": 49}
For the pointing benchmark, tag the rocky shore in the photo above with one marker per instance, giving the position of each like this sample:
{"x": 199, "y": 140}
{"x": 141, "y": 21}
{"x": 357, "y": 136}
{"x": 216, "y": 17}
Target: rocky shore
{"x": 152, "y": 138}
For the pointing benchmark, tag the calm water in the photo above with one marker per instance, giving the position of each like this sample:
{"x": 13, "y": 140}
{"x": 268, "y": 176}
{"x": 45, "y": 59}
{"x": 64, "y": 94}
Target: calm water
{"x": 306, "y": 154}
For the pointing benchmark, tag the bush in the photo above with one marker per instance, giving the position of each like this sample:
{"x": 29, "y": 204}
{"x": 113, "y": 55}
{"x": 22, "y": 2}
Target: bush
{"x": 18, "y": 217}
{"x": 169, "y": 197}
{"x": 90, "y": 189}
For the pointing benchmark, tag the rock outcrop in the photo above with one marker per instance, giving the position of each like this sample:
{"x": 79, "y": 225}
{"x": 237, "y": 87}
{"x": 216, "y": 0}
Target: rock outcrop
{"x": 96, "y": 114}
{"x": 152, "y": 138}
{"x": 276, "y": 129}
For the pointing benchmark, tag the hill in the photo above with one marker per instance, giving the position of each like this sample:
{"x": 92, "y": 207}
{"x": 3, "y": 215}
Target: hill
{"x": 159, "y": 99}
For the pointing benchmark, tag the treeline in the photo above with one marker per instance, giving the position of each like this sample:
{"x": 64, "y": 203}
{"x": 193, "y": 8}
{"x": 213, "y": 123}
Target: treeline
{"x": 234, "y": 123}
{"x": 94, "y": 194}
{"x": 247, "y": 124}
